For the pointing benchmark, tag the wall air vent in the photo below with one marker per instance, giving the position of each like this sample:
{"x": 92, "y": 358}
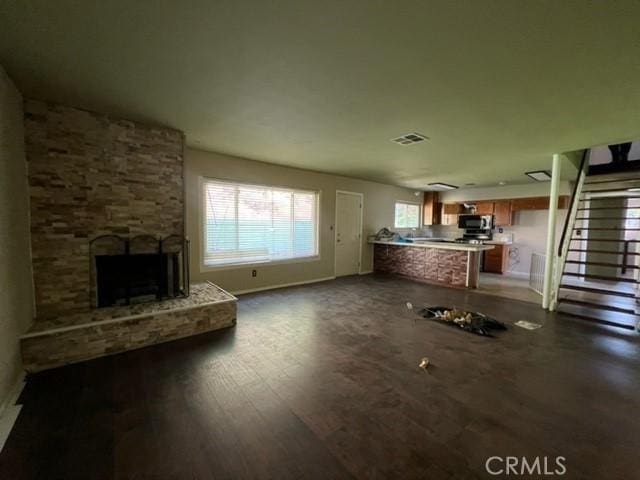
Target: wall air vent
{"x": 410, "y": 139}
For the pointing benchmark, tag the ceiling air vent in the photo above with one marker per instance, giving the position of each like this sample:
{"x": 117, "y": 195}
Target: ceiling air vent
{"x": 410, "y": 139}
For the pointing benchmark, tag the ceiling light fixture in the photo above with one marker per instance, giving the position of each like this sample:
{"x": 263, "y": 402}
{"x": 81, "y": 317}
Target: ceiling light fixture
{"x": 410, "y": 138}
{"x": 502, "y": 183}
{"x": 442, "y": 186}
{"x": 539, "y": 175}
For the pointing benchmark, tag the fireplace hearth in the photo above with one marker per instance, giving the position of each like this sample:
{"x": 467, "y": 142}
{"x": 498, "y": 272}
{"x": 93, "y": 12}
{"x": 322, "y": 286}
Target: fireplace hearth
{"x": 139, "y": 269}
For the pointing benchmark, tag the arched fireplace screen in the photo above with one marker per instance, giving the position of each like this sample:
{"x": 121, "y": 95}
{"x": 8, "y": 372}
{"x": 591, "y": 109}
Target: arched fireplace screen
{"x": 144, "y": 268}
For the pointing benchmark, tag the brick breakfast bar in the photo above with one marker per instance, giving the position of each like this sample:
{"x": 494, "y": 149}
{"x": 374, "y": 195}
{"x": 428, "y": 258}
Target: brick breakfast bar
{"x": 448, "y": 263}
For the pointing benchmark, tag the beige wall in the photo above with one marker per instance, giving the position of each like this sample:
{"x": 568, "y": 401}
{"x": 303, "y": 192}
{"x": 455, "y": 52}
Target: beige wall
{"x": 16, "y": 294}
{"x": 379, "y": 202}
{"x": 530, "y": 235}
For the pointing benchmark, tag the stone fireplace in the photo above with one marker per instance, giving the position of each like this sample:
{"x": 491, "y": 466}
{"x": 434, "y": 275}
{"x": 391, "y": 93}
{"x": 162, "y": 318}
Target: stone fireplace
{"x": 107, "y": 231}
{"x": 92, "y": 175}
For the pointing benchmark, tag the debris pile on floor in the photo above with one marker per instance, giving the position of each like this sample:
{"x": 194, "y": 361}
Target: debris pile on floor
{"x": 472, "y": 322}
{"x": 424, "y": 363}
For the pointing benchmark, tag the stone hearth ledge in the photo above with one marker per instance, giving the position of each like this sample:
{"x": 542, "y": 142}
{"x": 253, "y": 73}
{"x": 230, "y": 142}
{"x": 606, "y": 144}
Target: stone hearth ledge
{"x": 201, "y": 294}
{"x": 83, "y": 336}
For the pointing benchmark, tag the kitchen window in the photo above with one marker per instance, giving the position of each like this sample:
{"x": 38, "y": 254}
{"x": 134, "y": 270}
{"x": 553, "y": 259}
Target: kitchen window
{"x": 244, "y": 224}
{"x": 407, "y": 215}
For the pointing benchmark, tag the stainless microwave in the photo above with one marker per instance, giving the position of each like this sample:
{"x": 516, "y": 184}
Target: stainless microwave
{"x": 475, "y": 222}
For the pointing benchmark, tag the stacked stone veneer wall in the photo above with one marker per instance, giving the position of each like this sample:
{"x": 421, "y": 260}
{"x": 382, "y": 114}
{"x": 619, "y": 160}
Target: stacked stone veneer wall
{"x": 92, "y": 174}
{"x": 430, "y": 264}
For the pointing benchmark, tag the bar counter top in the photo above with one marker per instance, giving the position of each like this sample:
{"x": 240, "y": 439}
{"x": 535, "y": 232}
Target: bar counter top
{"x": 464, "y": 247}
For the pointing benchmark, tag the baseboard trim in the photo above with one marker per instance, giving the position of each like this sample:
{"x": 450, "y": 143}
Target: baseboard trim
{"x": 281, "y": 285}
{"x": 366, "y": 272}
{"x": 9, "y": 410}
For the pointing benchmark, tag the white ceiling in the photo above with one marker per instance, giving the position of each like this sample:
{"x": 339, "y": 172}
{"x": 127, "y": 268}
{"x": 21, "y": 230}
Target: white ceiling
{"x": 497, "y": 86}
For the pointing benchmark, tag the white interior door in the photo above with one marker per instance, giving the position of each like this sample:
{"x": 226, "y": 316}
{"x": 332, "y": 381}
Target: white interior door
{"x": 348, "y": 233}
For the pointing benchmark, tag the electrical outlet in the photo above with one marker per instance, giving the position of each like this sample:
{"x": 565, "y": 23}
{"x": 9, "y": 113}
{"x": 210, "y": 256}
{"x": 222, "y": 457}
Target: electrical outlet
{"x": 254, "y": 273}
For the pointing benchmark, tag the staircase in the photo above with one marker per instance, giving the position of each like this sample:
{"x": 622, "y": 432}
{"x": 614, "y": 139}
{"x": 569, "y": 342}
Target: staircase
{"x": 598, "y": 267}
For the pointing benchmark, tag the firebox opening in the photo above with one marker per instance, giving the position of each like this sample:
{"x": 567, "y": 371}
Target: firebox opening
{"x": 125, "y": 279}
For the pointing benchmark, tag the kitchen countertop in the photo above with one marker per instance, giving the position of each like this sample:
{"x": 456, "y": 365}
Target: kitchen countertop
{"x": 465, "y": 247}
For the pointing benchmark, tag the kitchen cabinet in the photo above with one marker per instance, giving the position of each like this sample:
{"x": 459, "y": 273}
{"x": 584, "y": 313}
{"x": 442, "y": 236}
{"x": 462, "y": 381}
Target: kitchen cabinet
{"x": 537, "y": 203}
{"x": 563, "y": 201}
{"x": 503, "y": 210}
{"x": 450, "y": 212}
{"x": 484, "y": 208}
{"x": 530, "y": 203}
{"x": 503, "y": 213}
{"x": 431, "y": 209}
{"x": 497, "y": 259}
{"x": 450, "y": 208}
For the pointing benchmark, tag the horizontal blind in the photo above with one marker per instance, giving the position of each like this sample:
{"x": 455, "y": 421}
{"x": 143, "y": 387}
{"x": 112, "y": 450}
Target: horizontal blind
{"x": 250, "y": 223}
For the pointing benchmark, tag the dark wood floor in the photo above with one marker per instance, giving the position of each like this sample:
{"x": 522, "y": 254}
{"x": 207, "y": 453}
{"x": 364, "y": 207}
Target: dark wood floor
{"x": 322, "y": 381}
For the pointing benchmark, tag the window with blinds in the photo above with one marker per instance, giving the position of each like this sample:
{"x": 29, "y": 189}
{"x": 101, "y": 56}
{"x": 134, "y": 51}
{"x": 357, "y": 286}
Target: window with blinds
{"x": 407, "y": 215}
{"x": 250, "y": 223}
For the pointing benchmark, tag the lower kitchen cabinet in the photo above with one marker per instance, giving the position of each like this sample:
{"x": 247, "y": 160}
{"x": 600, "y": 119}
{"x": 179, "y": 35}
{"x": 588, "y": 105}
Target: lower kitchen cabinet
{"x": 497, "y": 259}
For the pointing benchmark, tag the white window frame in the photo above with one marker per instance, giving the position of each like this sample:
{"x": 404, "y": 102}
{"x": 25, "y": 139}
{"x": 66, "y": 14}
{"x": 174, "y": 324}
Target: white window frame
{"x": 234, "y": 266}
{"x": 405, "y": 202}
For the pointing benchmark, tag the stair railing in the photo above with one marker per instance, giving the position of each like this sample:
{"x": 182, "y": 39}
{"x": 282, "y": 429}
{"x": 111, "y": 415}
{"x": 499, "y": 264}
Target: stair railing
{"x": 567, "y": 231}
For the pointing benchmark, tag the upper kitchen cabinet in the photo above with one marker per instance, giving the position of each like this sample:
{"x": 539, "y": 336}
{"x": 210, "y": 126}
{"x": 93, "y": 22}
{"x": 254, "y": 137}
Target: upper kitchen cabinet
{"x": 431, "y": 209}
{"x": 502, "y": 213}
{"x": 484, "y": 208}
{"x": 537, "y": 203}
{"x": 564, "y": 201}
{"x": 530, "y": 203}
{"x": 450, "y": 212}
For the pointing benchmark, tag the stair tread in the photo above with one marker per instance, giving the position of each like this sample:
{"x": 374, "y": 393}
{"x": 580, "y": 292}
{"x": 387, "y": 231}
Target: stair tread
{"x": 611, "y": 180}
{"x": 608, "y": 197}
{"x": 599, "y": 306}
{"x": 609, "y": 190}
{"x": 619, "y": 320}
{"x": 628, "y": 303}
{"x": 606, "y": 208}
{"x": 609, "y": 229}
{"x": 578, "y": 239}
{"x": 607, "y": 218}
{"x": 601, "y": 264}
{"x": 602, "y": 277}
{"x": 591, "y": 250}
{"x": 599, "y": 291}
